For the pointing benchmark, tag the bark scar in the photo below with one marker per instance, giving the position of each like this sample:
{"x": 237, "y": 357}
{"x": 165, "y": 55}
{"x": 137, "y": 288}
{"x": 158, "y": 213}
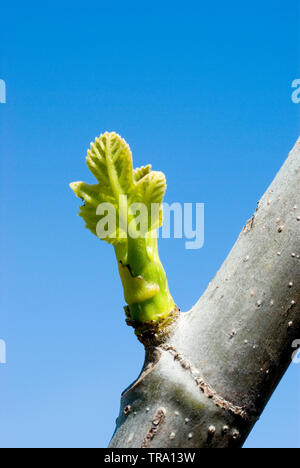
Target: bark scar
{"x": 156, "y": 425}
{"x": 205, "y": 386}
{"x": 249, "y": 224}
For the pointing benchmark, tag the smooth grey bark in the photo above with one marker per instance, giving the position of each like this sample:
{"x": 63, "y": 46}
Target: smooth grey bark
{"x": 209, "y": 381}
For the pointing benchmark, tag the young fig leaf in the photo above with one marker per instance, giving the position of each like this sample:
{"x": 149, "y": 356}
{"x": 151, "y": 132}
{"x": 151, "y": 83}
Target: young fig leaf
{"x": 124, "y": 208}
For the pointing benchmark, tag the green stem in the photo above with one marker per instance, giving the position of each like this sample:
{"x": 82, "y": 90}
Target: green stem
{"x": 145, "y": 283}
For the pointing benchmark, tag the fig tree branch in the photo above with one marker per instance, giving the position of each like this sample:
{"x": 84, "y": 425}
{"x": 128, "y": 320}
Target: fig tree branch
{"x": 209, "y": 373}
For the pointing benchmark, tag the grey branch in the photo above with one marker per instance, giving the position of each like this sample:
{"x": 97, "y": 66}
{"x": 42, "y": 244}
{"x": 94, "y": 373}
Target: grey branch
{"x": 208, "y": 383}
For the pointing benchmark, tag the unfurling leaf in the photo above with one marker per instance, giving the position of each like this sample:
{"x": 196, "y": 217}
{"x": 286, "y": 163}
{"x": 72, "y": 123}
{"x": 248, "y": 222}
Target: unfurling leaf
{"x": 109, "y": 159}
{"x": 125, "y": 208}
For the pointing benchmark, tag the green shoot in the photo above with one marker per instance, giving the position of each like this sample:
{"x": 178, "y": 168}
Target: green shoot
{"x": 125, "y": 209}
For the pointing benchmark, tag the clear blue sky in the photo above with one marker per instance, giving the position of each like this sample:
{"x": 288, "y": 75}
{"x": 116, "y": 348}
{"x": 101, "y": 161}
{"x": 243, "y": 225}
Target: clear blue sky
{"x": 202, "y": 90}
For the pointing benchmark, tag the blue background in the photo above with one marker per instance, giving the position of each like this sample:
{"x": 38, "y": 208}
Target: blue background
{"x": 202, "y": 90}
